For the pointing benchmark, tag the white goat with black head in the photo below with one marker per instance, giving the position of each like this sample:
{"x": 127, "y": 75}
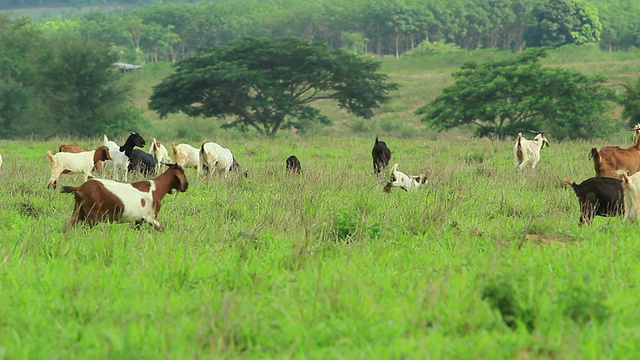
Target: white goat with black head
{"x": 527, "y": 152}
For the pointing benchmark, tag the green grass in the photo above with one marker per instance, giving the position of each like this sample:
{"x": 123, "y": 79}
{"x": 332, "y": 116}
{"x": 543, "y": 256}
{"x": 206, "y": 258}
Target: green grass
{"x": 482, "y": 262}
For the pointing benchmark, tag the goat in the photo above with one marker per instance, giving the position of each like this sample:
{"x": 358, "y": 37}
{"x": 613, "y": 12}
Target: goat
{"x": 159, "y": 153}
{"x": 636, "y": 132}
{"x": 404, "y": 181}
{"x": 612, "y": 161}
{"x": 99, "y": 200}
{"x": 381, "y": 156}
{"x": 64, "y": 163}
{"x": 527, "y": 152}
{"x": 120, "y": 159}
{"x": 71, "y": 148}
{"x": 598, "y": 196}
{"x": 0, "y": 160}
{"x": 631, "y": 186}
{"x": 139, "y": 161}
{"x": 293, "y": 165}
{"x": 214, "y": 158}
{"x": 186, "y": 155}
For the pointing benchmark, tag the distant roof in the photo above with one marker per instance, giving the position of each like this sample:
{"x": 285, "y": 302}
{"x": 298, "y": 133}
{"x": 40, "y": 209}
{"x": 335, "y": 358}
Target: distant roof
{"x": 126, "y": 67}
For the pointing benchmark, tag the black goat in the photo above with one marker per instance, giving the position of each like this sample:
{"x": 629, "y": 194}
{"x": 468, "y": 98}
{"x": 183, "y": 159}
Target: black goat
{"x": 381, "y": 156}
{"x": 139, "y": 160}
{"x": 599, "y": 196}
{"x": 293, "y": 165}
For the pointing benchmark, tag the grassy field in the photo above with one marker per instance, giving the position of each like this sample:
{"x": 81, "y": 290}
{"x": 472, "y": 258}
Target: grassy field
{"x": 483, "y": 262}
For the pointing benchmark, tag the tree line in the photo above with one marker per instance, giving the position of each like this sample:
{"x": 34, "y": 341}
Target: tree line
{"x": 171, "y": 31}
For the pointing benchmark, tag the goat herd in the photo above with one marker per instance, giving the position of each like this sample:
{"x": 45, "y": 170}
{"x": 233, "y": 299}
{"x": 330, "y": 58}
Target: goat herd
{"x": 615, "y": 190}
{"x": 99, "y": 200}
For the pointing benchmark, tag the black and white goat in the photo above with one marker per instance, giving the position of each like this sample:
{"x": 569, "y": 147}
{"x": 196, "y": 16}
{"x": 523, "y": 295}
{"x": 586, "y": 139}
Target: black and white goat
{"x": 404, "y": 181}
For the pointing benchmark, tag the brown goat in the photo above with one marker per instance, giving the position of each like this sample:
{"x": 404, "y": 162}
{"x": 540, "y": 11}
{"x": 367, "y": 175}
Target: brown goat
{"x": 613, "y": 161}
{"x": 100, "y": 200}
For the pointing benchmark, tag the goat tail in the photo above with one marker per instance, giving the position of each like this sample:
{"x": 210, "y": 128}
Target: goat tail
{"x": 174, "y": 148}
{"x": 51, "y": 158}
{"x": 594, "y": 154}
{"x": 105, "y": 139}
{"x": 377, "y": 138}
{"x": 68, "y": 190}
{"x": 394, "y": 168}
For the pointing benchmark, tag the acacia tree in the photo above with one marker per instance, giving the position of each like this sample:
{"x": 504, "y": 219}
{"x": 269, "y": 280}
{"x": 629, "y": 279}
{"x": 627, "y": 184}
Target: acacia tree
{"x": 266, "y": 84}
{"x": 506, "y": 97}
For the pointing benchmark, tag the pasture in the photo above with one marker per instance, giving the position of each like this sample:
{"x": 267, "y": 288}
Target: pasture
{"x": 481, "y": 262}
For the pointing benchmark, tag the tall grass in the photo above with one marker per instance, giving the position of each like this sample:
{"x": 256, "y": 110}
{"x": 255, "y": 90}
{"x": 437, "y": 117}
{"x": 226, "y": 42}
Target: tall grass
{"x": 483, "y": 262}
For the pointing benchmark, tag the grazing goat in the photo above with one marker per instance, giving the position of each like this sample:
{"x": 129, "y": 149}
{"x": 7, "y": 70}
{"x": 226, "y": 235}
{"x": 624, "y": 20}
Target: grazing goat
{"x": 140, "y": 161}
{"x": 120, "y": 159}
{"x": 71, "y": 148}
{"x": 186, "y": 155}
{"x": 631, "y": 186}
{"x": 404, "y": 181}
{"x": 527, "y": 152}
{"x": 598, "y": 196}
{"x": 160, "y": 154}
{"x": 293, "y": 165}
{"x": 214, "y": 157}
{"x": 381, "y": 156}
{"x": 64, "y": 163}
{"x": 613, "y": 161}
{"x": 100, "y": 200}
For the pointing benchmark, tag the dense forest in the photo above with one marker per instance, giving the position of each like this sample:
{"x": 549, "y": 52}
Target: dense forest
{"x": 151, "y": 30}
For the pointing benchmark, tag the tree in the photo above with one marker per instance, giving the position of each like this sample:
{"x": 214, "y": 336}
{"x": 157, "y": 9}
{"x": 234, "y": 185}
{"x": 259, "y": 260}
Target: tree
{"x": 506, "y": 97}
{"x": 561, "y": 22}
{"x": 83, "y": 90}
{"x": 270, "y": 83}
{"x": 630, "y": 102}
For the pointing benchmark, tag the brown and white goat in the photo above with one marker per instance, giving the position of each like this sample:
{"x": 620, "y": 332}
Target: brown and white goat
{"x": 83, "y": 162}
{"x": 72, "y": 148}
{"x": 100, "y": 200}
{"x": 613, "y": 161}
{"x": 527, "y": 152}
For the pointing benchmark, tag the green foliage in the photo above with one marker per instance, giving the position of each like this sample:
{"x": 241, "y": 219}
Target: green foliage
{"x": 267, "y": 84}
{"x": 630, "y": 102}
{"x": 583, "y": 304}
{"x": 503, "y": 296}
{"x": 505, "y": 97}
{"x": 84, "y": 92}
{"x": 560, "y": 22}
{"x": 431, "y": 48}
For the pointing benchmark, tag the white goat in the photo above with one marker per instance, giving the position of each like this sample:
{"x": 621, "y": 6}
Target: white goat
{"x": 83, "y": 162}
{"x": 527, "y": 152}
{"x": 404, "y": 181}
{"x": 186, "y": 155}
{"x": 160, "y": 154}
{"x": 119, "y": 162}
{"x": 631, "y": 193}
{"x": 215, "y": 158}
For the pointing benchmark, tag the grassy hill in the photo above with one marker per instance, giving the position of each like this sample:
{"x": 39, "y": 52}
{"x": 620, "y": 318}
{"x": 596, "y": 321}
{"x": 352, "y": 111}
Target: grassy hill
{"x": 420, "y": 78}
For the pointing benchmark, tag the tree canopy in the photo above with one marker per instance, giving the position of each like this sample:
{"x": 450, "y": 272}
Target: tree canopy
{"x": 561, "y": 22}
{"x": 505, "y": 97}
{"x": 267, "y": 84}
